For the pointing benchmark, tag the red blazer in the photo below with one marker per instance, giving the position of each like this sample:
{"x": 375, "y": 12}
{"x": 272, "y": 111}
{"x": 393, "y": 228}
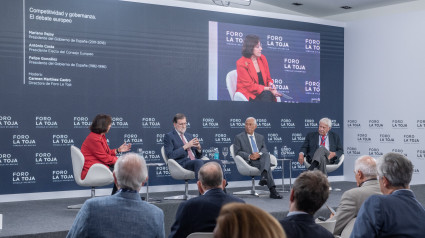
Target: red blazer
{"x": 247, "y": 82}
{"x": 96, "y": 151}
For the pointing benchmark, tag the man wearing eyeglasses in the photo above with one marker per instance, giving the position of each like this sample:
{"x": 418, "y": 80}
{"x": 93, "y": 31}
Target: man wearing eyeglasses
{"x": 183, "y": 148}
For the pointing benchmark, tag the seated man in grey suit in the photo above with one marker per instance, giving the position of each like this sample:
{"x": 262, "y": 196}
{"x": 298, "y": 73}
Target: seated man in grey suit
{"x": 321, "y": 147}
{"x": 351, "y": 200}
{"x": 251, "y": 147}
{"x": 309, "y": 193}
{"x": 199, "y": 214}
{"x": 397, "y": 213}
{"x": 123, "y": 214}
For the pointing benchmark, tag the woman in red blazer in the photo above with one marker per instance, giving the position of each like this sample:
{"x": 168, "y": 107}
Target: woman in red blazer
{"x": 254, "y": 79}
{"x": 95, "y": 147}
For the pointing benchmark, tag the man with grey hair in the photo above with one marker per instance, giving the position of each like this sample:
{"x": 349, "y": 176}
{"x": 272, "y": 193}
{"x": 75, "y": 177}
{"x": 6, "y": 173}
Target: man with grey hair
{"x": 123, "y": 214}
{"x": 199, "y": 214}
{"x": 367, "y": 185}
{"x": 321, "y": 147}
{"x": 252, "y": 148}
{"x": 397, "y": 213}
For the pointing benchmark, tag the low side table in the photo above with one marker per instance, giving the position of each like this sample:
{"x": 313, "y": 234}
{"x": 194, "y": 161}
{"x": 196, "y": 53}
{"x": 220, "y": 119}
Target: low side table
{"x": 147, "y": 182}
{"x": 283, "y": 174}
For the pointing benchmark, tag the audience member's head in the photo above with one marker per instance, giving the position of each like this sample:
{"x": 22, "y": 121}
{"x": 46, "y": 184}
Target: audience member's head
{"x": 101, "y": 123}
{"x": 310, "y": 192}
{"x": 130, "y": 171}
{"x": 238, "y": 220}
{"x": 365, "y": 169}
{"x": 394, "y": 172}
{"x": 210, "y": 176}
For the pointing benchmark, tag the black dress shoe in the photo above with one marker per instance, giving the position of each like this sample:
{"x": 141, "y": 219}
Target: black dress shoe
{"x": 274, "y": 194}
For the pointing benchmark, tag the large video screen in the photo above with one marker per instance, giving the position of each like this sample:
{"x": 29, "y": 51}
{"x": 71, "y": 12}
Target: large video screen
{"x": 293, "y": 58}
{"x": 62, "y": 62}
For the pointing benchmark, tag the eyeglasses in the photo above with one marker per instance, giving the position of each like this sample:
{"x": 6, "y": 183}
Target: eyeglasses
{"x": 182, "y": 124}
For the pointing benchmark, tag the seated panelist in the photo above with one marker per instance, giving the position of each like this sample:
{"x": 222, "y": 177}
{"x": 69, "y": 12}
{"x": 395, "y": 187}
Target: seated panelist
{"x": 183, "y": 148}
{"x": 95, "y": 148}
{"x": 321, "y": 147}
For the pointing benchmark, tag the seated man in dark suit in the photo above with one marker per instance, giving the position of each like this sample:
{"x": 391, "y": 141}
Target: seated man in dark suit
{"x": 397, "y": 213}
{"x": 309, "y": 193}
{"x": 251, "y": 147}
{"x": 182, "y": 147}
{"x": 321, "y": 147}
{"x": 123, "y": 214}
{"x": 199, "y": 214}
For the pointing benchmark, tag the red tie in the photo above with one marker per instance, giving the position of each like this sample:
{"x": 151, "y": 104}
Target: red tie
{"x": 323, "y": 141}
{"x": 189, "y": 150}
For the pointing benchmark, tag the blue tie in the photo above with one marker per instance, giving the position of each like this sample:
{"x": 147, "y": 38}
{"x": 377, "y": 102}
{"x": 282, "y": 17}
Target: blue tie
{"x": 254, "y": 146}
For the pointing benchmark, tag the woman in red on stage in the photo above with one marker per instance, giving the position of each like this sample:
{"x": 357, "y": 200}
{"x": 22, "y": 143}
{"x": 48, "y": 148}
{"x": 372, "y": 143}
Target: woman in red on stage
{"x": 95, "y": 147}
{"x": 254, "y": 79}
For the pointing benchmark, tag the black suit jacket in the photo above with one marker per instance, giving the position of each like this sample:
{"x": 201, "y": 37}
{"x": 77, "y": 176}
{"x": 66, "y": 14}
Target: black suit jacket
{"x": 199, "y": 214}
{"x": 303, "y": 225}
{"x": 173, "y": 146}
{"x": 311, "y": 143}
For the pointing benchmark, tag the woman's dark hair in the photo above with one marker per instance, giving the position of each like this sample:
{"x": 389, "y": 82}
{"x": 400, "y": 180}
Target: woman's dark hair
{"x": 248, "y": 45}
{"x": 100, "y": 123}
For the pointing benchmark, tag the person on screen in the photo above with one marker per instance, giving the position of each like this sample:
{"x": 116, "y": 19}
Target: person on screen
{"x": 254, "y": 80}
{"x": 95, "y": 148}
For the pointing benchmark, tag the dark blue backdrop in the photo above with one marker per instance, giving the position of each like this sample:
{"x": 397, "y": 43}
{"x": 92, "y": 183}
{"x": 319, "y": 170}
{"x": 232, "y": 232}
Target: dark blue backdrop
{"x": 63, "y": 62}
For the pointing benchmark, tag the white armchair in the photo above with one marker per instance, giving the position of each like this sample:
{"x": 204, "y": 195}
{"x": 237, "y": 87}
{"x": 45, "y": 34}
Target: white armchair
{"x": 231, "y": 81}
{"x": 97, "y": 176}
{"x": 179, "y": 173}
{"x": 247, "y": 170}
{"x": 329, "y": 167}
{"x": 328, "y": 225}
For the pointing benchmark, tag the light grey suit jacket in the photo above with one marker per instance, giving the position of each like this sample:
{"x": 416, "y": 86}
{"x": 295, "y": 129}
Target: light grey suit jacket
{"x": 351, "y": 201}
{"x": 242, "y": 145}
{"x": 123, "y": 214}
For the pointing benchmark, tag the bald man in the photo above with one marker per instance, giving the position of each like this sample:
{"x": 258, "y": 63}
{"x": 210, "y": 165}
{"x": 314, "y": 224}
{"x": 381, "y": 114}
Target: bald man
{"x": 199, "y": 214}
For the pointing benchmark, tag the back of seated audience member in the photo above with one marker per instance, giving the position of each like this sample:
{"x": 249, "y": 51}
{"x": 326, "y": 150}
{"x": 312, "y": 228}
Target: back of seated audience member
{"x": 237, "y": 220}
{"x": 123, "y": 214}
{"x": 309, "y": 193}
{"x": 365, "y": 174}
{"x": 200, "y": 214}
{"x": 397, "y": 213}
